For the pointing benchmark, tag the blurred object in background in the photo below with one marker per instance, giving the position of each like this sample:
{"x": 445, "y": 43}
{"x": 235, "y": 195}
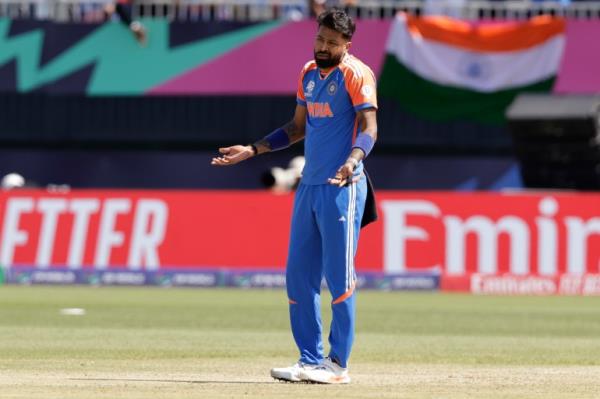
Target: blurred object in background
{"x": 281, "y": 180}
{"x": 58, "y": 188}
{"x": 450, "y": 8}
{"x": 557, "y": 140}
{"x": 316, "y": 7}
{"x": 123, "y": 9}
{"x": 12, "y": 181}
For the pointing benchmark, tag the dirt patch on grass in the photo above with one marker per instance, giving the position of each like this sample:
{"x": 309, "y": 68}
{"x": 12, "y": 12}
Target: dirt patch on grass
{"x": 232, "y": 378}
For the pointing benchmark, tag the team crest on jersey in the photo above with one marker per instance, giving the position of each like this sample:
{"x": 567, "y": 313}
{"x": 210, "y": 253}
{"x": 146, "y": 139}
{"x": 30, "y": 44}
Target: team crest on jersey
{"x": 309, "y": 88}
{"x": 332, "y": 88}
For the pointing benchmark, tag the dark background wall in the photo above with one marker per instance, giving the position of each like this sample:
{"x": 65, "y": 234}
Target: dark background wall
{"x": 190, "y": 122}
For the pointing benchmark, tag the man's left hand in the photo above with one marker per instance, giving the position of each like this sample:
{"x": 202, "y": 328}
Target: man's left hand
{"x": 345, "y": 174}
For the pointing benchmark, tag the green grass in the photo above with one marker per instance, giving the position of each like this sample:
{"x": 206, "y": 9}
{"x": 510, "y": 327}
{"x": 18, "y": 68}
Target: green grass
{"x": 205, "y": 334}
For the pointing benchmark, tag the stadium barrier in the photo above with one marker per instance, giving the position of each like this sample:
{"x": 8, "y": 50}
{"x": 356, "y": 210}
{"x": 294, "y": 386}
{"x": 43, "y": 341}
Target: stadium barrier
{"x": 474, "y": 283}
{"x": 254, "y": 278}
{"x": 479, "y": 242}
{"x": 264, "y": 10}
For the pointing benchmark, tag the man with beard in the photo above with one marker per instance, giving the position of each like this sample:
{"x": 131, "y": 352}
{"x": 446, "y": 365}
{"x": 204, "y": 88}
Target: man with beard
{"x": 336, "y": 115}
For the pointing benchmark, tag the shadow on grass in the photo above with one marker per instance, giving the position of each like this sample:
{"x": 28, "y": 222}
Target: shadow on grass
{"x": 174, "y": 381}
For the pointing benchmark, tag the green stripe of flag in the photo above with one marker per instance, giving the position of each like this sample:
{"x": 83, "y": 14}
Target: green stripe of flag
{"x": 436, "y": 102}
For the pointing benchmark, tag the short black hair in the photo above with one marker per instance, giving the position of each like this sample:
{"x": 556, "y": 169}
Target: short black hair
{"x": 337, "y": 19}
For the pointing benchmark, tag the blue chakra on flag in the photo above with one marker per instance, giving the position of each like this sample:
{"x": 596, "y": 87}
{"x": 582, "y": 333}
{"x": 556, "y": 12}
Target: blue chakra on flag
{"x": 332, "y": 88}
{"x": 474, "y": 67}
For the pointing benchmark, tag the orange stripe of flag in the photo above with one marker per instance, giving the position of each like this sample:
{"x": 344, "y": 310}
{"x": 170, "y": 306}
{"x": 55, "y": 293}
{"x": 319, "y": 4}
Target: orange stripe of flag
{"x": 510, "y": 36}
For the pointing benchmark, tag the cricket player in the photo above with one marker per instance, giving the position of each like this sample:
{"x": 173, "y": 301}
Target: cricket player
{"x": 336, "y": 115}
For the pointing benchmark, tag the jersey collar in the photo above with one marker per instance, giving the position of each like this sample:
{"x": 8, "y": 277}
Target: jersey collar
{"x": 324, "y": 73}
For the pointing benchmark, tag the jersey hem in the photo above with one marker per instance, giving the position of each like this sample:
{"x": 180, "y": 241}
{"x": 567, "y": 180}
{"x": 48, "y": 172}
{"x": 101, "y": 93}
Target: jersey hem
{"x": 360, "y": 107}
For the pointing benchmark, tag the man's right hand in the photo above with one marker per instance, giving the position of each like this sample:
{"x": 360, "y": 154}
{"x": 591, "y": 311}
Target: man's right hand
{"x": 233, "y": 155}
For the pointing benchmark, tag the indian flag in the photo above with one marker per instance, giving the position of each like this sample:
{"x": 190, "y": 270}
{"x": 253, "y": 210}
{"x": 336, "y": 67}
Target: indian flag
{"x": 445, "y": 69}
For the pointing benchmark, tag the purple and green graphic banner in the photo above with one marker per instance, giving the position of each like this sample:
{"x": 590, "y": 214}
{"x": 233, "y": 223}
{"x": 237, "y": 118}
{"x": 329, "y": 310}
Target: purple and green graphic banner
{"x": 180, "y": 58}
{"x": 436, "y": 68}
{"x": 271, "y": 63}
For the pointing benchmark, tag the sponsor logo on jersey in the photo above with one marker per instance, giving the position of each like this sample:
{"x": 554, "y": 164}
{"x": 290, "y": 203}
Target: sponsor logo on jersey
{"x": 309, "y": 88}
{"x": 319, "y": 110}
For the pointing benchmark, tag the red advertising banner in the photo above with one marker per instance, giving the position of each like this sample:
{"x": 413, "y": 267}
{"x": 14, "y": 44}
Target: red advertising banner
{"x": 491, "y": 233}
{"x": 565, "y": 284}
{"x": 144, "y": 229}
{"x": 456, "y": 234}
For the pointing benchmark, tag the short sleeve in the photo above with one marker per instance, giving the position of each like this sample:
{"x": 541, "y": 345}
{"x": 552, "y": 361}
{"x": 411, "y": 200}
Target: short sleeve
{"x": 300, "y": 99}
{"x": 361, "y": 86}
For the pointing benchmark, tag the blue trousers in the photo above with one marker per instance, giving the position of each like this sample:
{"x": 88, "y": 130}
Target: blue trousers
{"x": 324, "y": 235}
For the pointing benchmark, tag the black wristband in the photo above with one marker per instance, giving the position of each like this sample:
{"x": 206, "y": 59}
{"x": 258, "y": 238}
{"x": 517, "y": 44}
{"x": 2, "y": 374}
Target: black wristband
{"x": 254, "y": 149}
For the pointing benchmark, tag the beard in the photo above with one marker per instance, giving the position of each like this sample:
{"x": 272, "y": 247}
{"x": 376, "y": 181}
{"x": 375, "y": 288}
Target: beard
{"x": 328, "y": 62}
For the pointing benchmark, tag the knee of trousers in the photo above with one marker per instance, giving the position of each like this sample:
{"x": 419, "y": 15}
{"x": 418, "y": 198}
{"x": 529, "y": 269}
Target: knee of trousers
{"x": 302, "y": 286}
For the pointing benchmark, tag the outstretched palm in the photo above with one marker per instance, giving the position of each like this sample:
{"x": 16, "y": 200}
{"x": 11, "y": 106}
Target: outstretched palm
{"x": 232, "y": 155}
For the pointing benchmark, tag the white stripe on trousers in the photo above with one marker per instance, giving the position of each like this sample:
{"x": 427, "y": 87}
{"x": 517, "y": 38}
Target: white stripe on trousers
{"x": 350, "y": 236}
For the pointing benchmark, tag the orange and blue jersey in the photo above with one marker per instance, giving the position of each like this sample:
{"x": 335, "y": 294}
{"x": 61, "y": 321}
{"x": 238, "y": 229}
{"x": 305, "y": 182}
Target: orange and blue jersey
{"x": 326, "y": 218}
{"x": 332, "y": 102}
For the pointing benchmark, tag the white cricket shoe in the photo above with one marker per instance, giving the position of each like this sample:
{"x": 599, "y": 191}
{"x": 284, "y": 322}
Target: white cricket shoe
{"x": 327, "y": 372}
{"x": 292, "y": 373}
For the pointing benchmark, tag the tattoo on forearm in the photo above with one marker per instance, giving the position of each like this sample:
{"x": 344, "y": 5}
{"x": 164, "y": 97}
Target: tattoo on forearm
{"x": 293, "y": 131}
{"x": 262, "y": 146}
